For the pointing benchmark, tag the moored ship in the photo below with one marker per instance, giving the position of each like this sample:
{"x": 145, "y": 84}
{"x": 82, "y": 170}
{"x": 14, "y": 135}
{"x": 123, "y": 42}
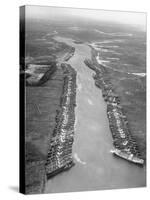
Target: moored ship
{"x": 130, "y": 157}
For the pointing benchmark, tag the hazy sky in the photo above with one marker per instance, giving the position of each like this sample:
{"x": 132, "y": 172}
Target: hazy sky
{"x": 132, "y": 18}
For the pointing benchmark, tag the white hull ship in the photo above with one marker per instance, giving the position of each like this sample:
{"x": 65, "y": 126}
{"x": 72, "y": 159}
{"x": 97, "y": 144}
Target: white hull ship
{"x": 126, "y": 156}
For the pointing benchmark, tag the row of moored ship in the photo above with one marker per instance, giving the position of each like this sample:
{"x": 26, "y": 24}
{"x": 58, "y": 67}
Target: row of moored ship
{"x": 60, "y": 152}
{"x": 125, "y": 145}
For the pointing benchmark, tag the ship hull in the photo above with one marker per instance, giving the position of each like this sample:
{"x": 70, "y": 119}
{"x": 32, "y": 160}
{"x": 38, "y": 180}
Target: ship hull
{"x": 128, "y": 157}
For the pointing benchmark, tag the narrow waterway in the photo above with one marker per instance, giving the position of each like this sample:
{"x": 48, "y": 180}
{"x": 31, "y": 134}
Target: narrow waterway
{"x": 96, "y": 168}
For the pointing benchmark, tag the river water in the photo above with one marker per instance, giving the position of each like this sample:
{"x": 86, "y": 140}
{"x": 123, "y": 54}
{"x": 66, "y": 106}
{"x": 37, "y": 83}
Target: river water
{"x": 96, "y": 168}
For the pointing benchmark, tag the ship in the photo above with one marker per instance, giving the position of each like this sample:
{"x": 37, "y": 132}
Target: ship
{"x": 130, "y": 157}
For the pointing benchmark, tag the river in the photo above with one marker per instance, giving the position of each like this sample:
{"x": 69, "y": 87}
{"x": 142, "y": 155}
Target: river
{"x": 96, "y": 168}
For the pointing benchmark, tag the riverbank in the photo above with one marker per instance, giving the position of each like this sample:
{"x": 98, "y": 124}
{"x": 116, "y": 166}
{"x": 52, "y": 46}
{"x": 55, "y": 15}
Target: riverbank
{"x": 69, "y": 54}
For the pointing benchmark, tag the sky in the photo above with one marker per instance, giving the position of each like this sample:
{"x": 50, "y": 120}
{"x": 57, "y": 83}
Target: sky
{"x": 131, "y": 18}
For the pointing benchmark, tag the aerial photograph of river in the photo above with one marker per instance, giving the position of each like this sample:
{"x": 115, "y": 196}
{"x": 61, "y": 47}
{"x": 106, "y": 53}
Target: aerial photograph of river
{"x": 85, "y": 99}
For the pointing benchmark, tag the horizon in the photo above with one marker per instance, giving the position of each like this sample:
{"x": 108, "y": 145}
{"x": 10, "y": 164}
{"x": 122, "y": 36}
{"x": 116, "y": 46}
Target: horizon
{"x": 134, "y": 19}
